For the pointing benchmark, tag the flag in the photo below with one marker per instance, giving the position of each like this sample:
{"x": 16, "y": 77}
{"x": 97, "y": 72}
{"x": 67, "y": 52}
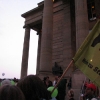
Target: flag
{"x": 87, "y": 58}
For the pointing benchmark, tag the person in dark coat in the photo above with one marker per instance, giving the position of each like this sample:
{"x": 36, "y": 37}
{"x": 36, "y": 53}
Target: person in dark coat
{"x": 61, "y": 86}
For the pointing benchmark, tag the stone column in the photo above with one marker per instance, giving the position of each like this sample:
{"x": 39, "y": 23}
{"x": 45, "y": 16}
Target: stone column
{"x": 46, "y": 42}
{"x": 82, "y": 30}
{"x": 82, "y": 24}
{"x": 24, "y": 65}
{"x": 38, "y": 54}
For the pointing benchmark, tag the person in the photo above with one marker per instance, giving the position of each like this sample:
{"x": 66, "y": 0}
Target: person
{"x": 5, "y": 82}
{"x": 57, "y": 71}
{"x": 47, "y": 82}
{"x": 89, "y": 92}
{"x": 69, "y": 85}
{"x": 70, "y": 94}
{"x": 61, "y": 87}
{"x": 33, "y": 88}
{"x": 11, "y": 92}
{"x": 55, "y": 80}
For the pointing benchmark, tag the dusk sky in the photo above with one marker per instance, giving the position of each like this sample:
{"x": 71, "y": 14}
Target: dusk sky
{"x": 12, "y": 37}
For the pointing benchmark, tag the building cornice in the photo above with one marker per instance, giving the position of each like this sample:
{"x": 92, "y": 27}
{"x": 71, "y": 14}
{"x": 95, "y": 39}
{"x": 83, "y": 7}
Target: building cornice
{"x": 40, "y": 6}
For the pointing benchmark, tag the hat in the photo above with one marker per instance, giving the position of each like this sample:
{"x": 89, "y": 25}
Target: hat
{"x": 92, "y": 86}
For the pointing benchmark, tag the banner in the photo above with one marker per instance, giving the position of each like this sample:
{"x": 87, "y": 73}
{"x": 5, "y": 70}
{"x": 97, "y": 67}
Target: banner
{"x": 87, "y": 58}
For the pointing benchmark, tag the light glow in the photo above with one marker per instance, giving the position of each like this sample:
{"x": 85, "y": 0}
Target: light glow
{"x": 91, "y": 60}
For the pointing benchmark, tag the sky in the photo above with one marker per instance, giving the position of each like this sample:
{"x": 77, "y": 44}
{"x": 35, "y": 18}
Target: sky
{"x": 12, "y": 38}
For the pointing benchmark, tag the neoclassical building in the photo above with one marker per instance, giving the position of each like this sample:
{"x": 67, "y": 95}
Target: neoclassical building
{"x": 61, "y": 26}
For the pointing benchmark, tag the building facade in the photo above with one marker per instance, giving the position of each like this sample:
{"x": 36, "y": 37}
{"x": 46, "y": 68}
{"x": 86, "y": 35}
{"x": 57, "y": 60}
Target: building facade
{"x": 61, "y": 26}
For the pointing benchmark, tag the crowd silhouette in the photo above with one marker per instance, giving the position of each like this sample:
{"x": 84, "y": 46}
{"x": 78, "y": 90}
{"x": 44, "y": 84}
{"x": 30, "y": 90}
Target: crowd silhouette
{"x": 31, "y": 87}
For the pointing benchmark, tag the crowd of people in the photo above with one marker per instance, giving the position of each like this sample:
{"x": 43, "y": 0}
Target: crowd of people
{"x": 32, "y": 87}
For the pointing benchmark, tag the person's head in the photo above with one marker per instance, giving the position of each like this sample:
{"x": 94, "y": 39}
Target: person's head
{"x": 33, "y": 88}
{"x": 70, "y": 93}
{"x": 57, "y": 77}
{"x": 90, "y": 89}
{"x": 46, "y": 80}
{"x": 11, "y": 92}
{"x": 6, "y": 82}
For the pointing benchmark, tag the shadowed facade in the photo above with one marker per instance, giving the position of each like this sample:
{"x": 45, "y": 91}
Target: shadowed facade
{"x": 61, "y": 27}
